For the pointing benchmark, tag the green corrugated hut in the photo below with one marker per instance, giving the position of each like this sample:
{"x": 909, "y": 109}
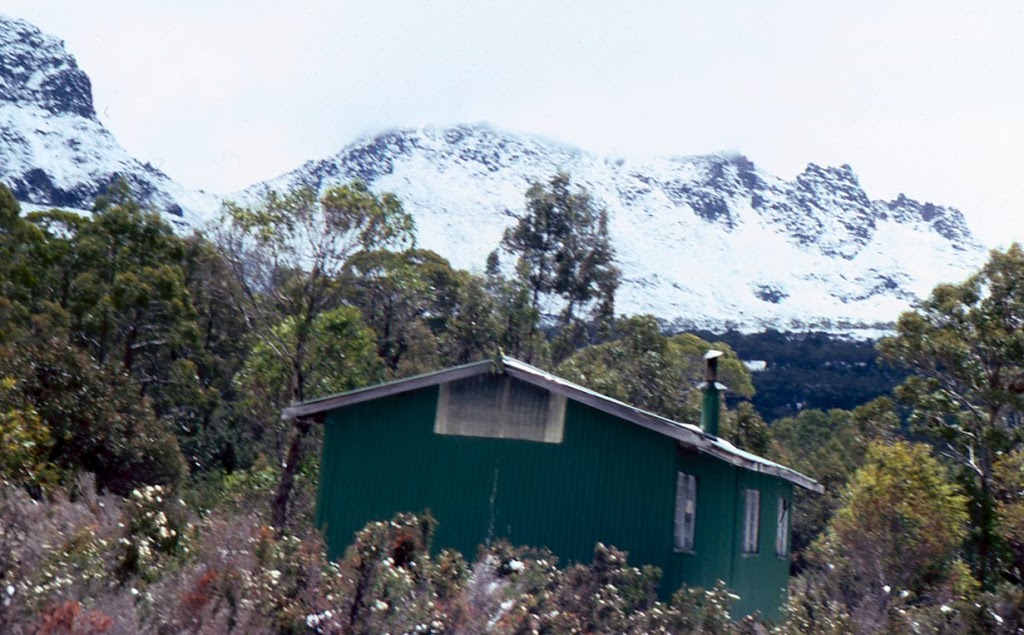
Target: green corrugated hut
{"x": 500, "y": 449}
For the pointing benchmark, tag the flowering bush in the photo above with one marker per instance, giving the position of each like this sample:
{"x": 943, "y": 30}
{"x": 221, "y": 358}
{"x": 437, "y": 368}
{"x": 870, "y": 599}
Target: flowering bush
{"x": 387, "y": 579}
{"x": 155, "y": 533}
{"x": 25, "y": 440}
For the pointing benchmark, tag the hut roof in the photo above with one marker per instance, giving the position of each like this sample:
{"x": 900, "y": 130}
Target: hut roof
{"x": 688, "y": 435}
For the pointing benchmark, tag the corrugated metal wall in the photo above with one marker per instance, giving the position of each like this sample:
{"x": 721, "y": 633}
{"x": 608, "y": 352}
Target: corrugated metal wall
{"x": 609, "y": 481}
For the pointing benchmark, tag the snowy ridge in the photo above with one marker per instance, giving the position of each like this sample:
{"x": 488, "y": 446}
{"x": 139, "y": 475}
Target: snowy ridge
{"x": 703, "y": 241}
{"x": 53, "y": 150}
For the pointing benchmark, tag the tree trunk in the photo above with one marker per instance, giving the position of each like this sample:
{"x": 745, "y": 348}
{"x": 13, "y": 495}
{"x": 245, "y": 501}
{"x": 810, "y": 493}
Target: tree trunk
{"x": 279, "y": 508}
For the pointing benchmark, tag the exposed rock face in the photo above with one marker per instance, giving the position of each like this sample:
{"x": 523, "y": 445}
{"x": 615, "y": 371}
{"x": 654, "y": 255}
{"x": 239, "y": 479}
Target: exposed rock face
{"x": 707, "y": 241}
{"x": 53, "y": 150}
{"x": 35, "y": 69}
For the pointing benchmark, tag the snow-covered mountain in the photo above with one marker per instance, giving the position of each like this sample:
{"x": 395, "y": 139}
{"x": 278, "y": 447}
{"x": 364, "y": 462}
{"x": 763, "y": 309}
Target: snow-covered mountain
{"x": 53, "y": 149}
{"x": 703, "y": 241}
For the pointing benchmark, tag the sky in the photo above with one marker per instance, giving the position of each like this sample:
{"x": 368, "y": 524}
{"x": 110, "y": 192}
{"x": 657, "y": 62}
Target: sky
{"x": 920, "y": 97}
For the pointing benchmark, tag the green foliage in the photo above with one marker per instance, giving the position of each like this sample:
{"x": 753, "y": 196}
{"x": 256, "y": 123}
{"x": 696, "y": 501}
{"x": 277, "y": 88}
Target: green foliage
{"x": 287, "y": 257}
{"x": 200, "y": 394}
{"x": 647, "y": 369}
{"x": 813, "y": 608}
{"x": 126, "y": 300}
{"x": 25, "y": 441}
{"x": 829, "y": 447}
{"x": 517, "y": 318}
{"x": 342, "y": 357}
{"x": 746, "y": 429}
{"x": 1008, "y": 473}
{"x": 564, "y": 250}
{"x": 398, "y": 293}
{"x": 696, "y": 610}
{"x": 288, "y": 254}
{"x": 122, "y": 283}
{"x": 19, "y": 245}
{"x": 96, "y": 420}
{"x": 965, "y": 348}
{"x": 898, "y": 530}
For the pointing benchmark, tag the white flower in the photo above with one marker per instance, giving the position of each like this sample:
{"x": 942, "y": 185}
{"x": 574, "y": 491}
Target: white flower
{"x": 10, "y": 589}
{"x": 135, "y": 591}
{"x": 887, "y": 588}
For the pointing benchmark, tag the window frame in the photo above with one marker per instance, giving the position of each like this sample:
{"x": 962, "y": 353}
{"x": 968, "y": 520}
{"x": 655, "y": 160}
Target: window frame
{"x": 685, "y": 513}
{"x": 782, "y": 525}
{"x": 751, "y": 522}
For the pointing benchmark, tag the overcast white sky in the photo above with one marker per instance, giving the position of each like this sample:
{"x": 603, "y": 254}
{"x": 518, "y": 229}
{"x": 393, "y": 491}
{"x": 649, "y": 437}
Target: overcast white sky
{"x": 922, "y": 97}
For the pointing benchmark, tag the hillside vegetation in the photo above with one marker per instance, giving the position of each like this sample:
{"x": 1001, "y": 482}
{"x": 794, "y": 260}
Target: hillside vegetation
{"x": 148, "y": 484}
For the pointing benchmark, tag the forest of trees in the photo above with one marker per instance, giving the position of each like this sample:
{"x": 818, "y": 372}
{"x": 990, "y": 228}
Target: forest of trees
{"x": 148, "y": 483}
{"x": 815, "y": 370}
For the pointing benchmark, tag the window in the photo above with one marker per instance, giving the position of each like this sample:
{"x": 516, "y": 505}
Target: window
{"x": 499, "y": 407}
{"x": 782, "y": 529}
{"x": 686, "y": 511}
{"x": 751, "y": 520}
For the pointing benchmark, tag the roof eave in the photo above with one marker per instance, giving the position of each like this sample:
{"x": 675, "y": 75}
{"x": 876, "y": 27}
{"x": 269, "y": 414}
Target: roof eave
{"x": 396, "y": 387}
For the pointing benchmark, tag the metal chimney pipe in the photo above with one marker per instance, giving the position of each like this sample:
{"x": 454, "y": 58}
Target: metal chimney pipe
{"x": 712, "y": 394}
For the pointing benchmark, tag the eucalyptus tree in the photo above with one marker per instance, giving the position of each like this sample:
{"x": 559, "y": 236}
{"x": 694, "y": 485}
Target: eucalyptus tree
{"x": 287, "y": 254}
{"x": 428, "y": 314}
{"x": 964, "y": 346}
{"x": 564, "y": 251}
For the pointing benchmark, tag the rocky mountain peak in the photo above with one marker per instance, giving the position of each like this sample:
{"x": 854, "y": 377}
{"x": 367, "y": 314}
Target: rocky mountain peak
{"x": 948, "y": 222}
{"x": 36, "y": 69}
{"x": 53, "y": 149}
{"x": 812, "y": 252}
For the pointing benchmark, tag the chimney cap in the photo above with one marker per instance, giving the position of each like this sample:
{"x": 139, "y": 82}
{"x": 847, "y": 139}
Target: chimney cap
{"x": 712, "y": 354}
{"x": 706, "y": 384}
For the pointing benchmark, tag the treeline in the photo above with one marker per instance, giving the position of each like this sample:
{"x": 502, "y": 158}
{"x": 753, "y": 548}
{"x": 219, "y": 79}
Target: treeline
{"x": 812, "y": 371}
{"x": 149, "y": 484}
